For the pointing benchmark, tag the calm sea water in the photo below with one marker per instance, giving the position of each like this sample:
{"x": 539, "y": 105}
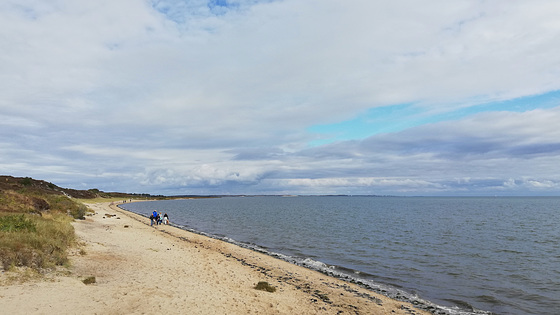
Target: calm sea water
{"x": 466, "y": 255}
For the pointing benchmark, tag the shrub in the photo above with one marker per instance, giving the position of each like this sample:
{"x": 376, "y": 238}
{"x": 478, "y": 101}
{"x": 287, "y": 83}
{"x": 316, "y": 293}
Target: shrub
{"x": 31, "y": 240}
{"x": 26, "y": 181}
{"x": 79, "y": 211}
{"x": 41, "y": 246}
{"x": 89, "y": 280}
{"x": 64, "y": 204}
{"x": 11, "y": 201}
{"x": 264, "y": 286}
{"x": 15, "y": 223}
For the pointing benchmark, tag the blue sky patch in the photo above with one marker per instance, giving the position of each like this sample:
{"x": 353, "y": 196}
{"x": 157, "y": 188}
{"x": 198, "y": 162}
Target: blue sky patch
{"x": 221, "y": 7}
{"x": 403, "y": 116}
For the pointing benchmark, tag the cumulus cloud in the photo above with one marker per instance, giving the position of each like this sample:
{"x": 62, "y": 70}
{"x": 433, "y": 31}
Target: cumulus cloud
{"x": 218, "y": 96}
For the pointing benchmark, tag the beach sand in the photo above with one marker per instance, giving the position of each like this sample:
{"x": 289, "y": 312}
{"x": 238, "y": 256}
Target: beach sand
{"x": 165, "y": 270}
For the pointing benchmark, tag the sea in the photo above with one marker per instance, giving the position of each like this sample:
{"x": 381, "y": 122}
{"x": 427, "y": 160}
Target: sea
{"x": 450, "y": 255}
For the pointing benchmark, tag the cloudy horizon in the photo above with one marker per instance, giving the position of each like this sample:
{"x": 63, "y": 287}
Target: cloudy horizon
{"x": 179, "y": 97}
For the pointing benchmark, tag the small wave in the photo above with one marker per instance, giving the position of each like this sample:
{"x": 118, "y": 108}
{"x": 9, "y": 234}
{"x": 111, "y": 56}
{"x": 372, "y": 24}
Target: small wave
{"x": 509, "y": 251}
{"x": 461, "y": 304}
{"x": 356, "y": 277}
{"x": 488, "y": 299}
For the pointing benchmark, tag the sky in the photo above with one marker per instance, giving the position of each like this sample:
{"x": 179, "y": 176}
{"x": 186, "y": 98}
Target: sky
{"x": 360, "y": 97}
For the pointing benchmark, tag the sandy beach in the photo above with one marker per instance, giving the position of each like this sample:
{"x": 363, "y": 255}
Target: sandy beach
{"x": 141, "y": 269}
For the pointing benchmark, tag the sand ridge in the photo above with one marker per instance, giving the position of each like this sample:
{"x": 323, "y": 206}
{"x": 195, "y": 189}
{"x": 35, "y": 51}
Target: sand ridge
{"x": 141, "y": 269}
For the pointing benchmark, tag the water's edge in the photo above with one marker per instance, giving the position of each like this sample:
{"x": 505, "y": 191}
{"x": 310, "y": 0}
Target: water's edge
{"x": 349, "y": 276}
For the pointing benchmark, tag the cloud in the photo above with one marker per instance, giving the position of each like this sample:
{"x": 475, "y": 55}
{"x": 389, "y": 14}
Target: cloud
{"x": 476, "y": 155}
{"x": 219, "y": 96}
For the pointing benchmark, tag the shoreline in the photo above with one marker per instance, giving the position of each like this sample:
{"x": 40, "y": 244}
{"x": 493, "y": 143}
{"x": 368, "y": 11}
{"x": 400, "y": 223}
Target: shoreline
{"x": 346, "y": 276}
{"x": 141, "y": 269}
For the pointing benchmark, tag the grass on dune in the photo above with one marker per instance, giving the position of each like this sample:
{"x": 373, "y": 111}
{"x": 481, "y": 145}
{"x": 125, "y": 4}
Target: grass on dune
{"x": 35, "y": 222}
{"x": 39, "y": 242}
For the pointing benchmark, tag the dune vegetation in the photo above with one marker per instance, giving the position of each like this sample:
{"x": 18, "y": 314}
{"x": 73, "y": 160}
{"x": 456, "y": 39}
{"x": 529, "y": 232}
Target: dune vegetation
{"x": 35, "y": 221}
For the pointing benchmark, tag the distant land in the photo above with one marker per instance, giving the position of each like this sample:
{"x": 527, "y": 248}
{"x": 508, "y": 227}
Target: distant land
{"x": 40, "y": 186}
{"x": 43, "y": 187}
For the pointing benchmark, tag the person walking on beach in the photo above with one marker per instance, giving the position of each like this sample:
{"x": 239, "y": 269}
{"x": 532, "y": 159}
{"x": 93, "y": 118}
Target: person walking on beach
{"x": 165, "y": 219}
{"x": 152, "y": 219}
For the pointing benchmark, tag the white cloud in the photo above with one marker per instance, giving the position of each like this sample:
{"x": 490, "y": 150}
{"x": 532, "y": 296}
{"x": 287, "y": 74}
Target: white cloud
{"x": 177, "y": 95}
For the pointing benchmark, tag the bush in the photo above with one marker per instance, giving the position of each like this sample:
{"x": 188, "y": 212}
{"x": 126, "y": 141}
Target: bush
{"x": 26, "y": 181}
{"x": 264, "y": 286}
{"x": 89, "y": 280}
{"x": 79, "y": 211}
{"x": 11, "y": 201}
{"x": 15, "y": 223}
{"x": 43, "y": 246}
{"x": 35, "y": 228}
{"x": 64, "y": 204}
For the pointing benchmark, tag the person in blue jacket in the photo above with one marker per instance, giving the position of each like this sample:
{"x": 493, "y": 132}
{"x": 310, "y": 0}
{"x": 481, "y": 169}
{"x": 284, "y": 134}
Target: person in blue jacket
{"x": 153, "y": 217}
